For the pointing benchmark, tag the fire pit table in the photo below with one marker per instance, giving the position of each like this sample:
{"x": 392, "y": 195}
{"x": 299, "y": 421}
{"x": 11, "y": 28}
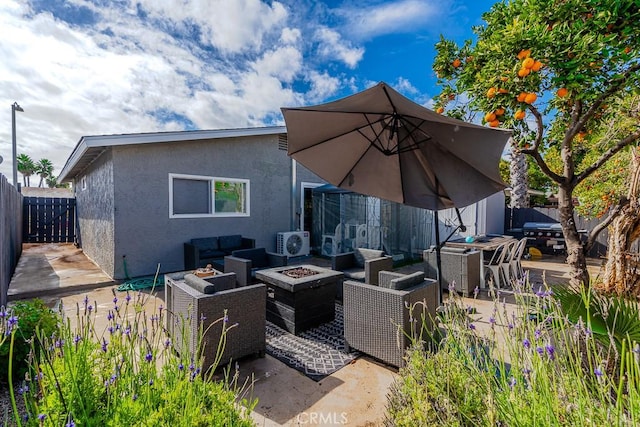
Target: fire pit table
{"x": 300, "y": 297}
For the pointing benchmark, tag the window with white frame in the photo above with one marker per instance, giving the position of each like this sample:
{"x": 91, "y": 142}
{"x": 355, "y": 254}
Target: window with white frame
{"x": 83, "y": 183}
{"x": 195, "y": 196}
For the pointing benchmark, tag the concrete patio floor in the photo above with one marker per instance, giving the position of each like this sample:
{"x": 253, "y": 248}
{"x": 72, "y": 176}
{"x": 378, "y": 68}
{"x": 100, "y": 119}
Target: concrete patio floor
{"x": 355, "y": 395}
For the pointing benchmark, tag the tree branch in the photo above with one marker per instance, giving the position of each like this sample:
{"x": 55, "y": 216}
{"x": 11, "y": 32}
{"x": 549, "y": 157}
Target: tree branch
{"x": 535, "y": 150}
{"x": 613, "y": 88}
{"x": 613, "y": 213}
{"x": 608, "y": 154}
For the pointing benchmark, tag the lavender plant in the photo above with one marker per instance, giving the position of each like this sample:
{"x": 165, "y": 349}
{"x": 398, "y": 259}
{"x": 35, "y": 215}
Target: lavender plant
{"x": 533, "y": 364}
{"x": 126, "y": 374}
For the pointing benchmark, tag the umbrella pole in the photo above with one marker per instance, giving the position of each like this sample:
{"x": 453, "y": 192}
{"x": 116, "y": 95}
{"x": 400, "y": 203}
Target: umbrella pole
{"x": 438, "y": 260}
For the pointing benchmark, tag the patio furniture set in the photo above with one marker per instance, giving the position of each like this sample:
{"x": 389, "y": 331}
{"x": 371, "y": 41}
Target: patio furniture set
{"x": 232, "y": 306}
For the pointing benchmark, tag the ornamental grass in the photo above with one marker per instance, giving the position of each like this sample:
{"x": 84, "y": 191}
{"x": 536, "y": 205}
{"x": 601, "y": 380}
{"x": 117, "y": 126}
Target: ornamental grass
{"x": 537, "y": 362}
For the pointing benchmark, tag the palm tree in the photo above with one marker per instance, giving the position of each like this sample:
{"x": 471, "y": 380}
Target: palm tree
{"x": 26, "y": 167}
{"x": 44, "y": 168}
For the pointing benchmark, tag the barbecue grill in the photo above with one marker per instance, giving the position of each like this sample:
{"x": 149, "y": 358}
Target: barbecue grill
{"x": 546, "y": 236}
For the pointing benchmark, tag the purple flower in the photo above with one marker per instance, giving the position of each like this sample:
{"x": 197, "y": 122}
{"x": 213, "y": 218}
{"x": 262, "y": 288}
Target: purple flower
{"x": 476, "y": 291}
{"x": 59, "y": 343}
{"x": 160, "y": 309}
{"x": 192, "y": 366}
{"x": 90, "y": 308}
{"x": 167, "y": 343}
{"x": 551, "y": 351}
{"x": 110, "y": 329}
{"x": 452, "y": 287}
{"x": 587, "y": 332}
{"x": 115, "y": 300}
{"x": 537, "y": 334}
{"x": 512, "y": 382}
{"x": 134, "y": 397}
{"x": 492, "y": 320}
{"x": 203, "y": 318}
{"x": 3, "y": 312}
{"x": 181, "y": 366}
{"x": 86, "y": 300}
{"x": 151, "y": 382}
{"x": 472, "y": 326}
{"x": 110, "y": 315}
{"x": 540, "y": 350}
{"x": 226, "y": 319}
{"x": 540, "y": 292}
{"x": 127, "y": 330}
{"x": 149, "y": 357}
{"x": 77, "y": 339}
{"x": 41, "y": 417}
{"x": 526, "y": 343}
{"x": 70, "y": 424}
{"x": 104, "y": 345}
{"x": 598, "y": 372}
{"x": 128, "y": 297}
{"x": 13, "y": 321}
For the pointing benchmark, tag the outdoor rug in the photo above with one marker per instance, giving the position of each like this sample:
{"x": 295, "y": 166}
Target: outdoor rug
{"x": 316, "y": 352}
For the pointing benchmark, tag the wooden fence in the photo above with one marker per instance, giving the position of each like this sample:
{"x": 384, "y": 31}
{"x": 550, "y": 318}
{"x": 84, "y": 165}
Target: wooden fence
{"x": 514, "y": 218}
{"x": 49, "y": 220}
{"x": 10, "y": 234}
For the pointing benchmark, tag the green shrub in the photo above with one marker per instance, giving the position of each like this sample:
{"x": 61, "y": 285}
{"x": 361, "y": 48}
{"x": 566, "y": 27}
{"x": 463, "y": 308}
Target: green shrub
{"x": 32, "y": 315}
{"x": 128, "y": 374}
{"x": 537, "y": 365}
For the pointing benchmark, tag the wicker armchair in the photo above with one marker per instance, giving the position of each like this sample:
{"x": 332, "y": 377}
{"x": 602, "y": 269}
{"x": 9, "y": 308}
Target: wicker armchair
{"x": 194, "y": 299}
{"x": 245, "y": 262}
{"x": 377, "y": 319}
{"x": 362, "y": 264}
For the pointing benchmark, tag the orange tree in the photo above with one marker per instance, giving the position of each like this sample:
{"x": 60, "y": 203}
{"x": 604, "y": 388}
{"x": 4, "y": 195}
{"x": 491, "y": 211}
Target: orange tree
{"x": 556, "y": 72}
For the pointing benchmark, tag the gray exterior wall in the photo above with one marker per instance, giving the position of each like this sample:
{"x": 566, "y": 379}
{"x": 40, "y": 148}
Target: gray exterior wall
{"x": 145, "y": 234}
{"x": 95, "y": 212}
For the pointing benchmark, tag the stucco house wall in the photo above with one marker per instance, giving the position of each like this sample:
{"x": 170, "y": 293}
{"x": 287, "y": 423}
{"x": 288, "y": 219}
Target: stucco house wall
{"x": 123, "y": 214}
{"x": 94, "y": 192}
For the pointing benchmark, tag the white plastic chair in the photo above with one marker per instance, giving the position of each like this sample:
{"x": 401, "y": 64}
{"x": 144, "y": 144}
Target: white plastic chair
{"x": 497, "y": 269}
{"x": 515, "y": 264}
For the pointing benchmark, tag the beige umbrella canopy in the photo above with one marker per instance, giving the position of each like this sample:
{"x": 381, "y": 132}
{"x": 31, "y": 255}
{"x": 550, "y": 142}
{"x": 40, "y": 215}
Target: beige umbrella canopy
{"x": 380, "y": 143}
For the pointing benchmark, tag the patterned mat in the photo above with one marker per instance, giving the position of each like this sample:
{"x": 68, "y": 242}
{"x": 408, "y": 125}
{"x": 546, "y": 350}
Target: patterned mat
{"x": 317, "y": 352}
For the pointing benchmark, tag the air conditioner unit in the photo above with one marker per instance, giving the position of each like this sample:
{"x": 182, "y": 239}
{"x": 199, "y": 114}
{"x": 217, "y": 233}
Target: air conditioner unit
{"x": 293, "y": 243}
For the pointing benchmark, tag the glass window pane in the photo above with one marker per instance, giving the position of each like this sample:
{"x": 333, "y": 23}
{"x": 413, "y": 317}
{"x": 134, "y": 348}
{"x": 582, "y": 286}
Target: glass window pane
{"x": 230, "y": 197}
{"x": 191, "y": 196}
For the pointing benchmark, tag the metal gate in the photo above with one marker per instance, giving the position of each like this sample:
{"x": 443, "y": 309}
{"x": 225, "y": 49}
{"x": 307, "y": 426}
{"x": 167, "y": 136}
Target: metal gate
{"x": 49, "y": 220}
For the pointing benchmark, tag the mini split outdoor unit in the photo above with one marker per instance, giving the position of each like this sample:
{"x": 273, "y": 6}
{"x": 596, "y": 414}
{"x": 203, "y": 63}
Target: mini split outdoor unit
{"x": 293, "y": 243}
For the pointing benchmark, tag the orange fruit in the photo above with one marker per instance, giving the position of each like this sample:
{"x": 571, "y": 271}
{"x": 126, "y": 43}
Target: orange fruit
{"x": 523, "y": 72}
{"x": 562, "y": 92}
{"x": 504, "y": 79}
{"x": 489, "y": 117}
{"x": 503, "y": 90}
{"x": 536, "y": 66}
{"x": 524, "y": 53}
{"x": 519, "y": 115}
{"x": 528, "y": 63}
{"x": 494, "y": 123}
{"x": 521, "y": 96}
{"x": 530, "y": 98}
{"x": 491, "y": 92}
{"x": 499, "y": 111}
{"x": 627, "y": 49}
{"x": 452, "y": 97}
{"x": 440, "y": 110}
{"x": 456, "y": 63}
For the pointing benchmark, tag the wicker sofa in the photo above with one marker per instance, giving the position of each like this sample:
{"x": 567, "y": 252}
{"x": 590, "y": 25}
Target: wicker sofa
{"x": 190, "y": 299}
{"x": 211, "y": 250}
{"x": 245, "y": 262}
{"x": 377, "y": 320}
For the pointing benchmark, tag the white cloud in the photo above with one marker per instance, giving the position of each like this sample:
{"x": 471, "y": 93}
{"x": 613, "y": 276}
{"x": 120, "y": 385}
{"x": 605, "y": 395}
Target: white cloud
{"x": 332, "y": 46}
{"x": 229, "y": 25}
{"x": 322, "y": 86}
{"x": 283, "y": 63}
{"x": 402, "y": 16}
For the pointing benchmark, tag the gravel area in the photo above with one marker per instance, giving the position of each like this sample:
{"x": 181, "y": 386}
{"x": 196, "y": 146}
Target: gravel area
{"x": 6, "y": 412}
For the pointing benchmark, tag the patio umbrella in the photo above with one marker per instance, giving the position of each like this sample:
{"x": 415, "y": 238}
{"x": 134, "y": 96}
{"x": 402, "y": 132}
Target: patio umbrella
{"x": 380, "y": 143}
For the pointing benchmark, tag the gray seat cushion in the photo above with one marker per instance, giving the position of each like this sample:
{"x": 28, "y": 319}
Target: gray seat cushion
{"x": 362, "y": 255}
{"x": 354, "y": 274}
{"x": 258, "y": 256}
{"x": 407, "y": 281}
{"x": 206, "y": 243}
{"x": 231, "y": 242}
{"x": 209, "y": 286}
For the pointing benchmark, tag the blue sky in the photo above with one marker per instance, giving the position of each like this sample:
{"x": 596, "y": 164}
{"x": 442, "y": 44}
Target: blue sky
{"x": 94, "y": 67}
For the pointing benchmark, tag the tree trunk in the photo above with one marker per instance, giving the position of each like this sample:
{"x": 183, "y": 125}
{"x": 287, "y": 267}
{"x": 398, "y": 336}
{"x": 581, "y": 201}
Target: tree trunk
{"x": 519, "y": 179}
{"x": 622, "y": 271}
{"x": 579, "y": 275}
